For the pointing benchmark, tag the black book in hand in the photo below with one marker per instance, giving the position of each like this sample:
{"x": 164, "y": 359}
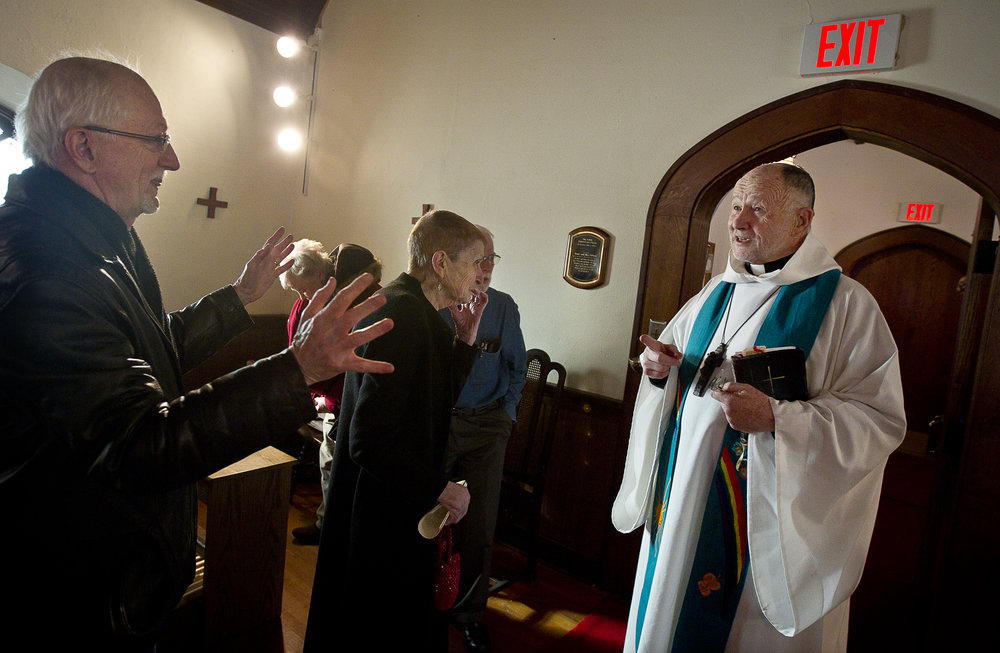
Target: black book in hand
{"x": 779, "y": 372}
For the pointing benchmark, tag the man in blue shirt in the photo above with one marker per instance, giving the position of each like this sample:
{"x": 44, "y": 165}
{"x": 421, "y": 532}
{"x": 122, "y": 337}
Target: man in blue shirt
{"x": 480, "y": 427}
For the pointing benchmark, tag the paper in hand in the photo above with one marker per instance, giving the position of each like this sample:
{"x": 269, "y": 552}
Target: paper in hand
{"x": 431, "y": 523}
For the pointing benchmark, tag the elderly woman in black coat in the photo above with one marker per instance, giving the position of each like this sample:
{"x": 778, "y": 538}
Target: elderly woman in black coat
{"x": 373, "y": 589}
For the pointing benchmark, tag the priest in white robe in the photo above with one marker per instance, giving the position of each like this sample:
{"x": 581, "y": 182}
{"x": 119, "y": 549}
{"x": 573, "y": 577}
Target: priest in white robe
{"x": 798, "y": 481}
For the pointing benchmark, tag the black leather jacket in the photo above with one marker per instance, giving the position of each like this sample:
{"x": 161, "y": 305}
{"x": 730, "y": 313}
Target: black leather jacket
{"x": 99, "y": 450}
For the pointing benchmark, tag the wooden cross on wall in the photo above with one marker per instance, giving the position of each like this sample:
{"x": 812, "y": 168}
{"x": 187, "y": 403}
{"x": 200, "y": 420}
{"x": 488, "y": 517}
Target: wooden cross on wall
{"x": 426, "y": 208}
{"x": 211, "y": 202}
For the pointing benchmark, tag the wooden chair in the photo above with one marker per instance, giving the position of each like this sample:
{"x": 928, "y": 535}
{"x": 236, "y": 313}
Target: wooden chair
{"x": 527, "y": 458}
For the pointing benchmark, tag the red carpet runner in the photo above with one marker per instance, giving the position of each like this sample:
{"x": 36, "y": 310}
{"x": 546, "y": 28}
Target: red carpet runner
{"x": 601, "y": 632}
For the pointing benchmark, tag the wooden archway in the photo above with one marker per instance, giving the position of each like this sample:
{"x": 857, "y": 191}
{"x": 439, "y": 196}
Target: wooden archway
{"x": 955, "y": 138}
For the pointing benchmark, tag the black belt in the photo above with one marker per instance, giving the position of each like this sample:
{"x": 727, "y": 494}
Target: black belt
{"x": 478, "y": 411}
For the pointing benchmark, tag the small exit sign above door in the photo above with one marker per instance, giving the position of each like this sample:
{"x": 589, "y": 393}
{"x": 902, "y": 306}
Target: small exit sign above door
{"x": 851, "y": 46}
{"x": 919, "y": 212}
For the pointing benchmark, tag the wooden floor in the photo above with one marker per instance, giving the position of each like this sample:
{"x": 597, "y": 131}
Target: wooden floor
{"x": 522, "y": 618}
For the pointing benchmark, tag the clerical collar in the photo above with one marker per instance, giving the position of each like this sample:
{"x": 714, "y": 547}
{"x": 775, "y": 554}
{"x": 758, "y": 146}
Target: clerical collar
{"x": 770, "y": 266}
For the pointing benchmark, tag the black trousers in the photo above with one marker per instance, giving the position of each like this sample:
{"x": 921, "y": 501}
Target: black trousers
{"x": 476, "y": 448}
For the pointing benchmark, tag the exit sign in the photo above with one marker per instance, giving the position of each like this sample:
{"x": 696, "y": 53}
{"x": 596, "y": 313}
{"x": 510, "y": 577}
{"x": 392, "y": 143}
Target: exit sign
{"x": 919, "y": 212}
{"x": 851, "y": 46}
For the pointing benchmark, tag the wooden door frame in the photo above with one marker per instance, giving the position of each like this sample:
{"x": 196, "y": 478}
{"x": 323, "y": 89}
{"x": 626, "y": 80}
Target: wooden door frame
{"x": 908, "y": 236}
{"x": 957, "y": 139}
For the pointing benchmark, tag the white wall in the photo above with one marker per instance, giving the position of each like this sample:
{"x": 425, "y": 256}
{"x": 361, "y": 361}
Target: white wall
{"x": 539, "y": 117}
{"x": 533, "y": 118}
{"x": 13, "y": 86}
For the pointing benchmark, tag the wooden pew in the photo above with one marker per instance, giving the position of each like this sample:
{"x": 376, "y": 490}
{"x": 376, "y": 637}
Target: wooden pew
{"x": 234, "y": 602}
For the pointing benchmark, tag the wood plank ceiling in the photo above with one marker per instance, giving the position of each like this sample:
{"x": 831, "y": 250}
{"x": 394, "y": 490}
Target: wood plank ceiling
{"x": 284, "y": 17}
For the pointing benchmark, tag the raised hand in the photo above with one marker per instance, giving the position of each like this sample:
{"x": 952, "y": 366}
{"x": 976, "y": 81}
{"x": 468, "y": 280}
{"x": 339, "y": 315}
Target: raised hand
{"x": 324, "y": 343}
{"x": 264, "y": 267}
{"x": 467, "y": 316}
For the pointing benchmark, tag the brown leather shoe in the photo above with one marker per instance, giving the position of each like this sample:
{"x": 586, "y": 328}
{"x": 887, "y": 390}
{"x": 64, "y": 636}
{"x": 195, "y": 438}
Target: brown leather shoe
{"x": 306, "y": 534}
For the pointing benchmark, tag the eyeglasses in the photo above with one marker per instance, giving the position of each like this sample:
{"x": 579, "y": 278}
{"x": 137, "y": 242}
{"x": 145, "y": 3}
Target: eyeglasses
{"x": 491, "y": 260}
{"x": 163, "y": 140}
{"x": 488, "y": 346}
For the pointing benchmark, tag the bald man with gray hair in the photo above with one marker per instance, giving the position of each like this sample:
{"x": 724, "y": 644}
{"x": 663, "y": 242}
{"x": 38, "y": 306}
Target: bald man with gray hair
{"x": 101, "y": 446}
{"x": 757, "y": 507}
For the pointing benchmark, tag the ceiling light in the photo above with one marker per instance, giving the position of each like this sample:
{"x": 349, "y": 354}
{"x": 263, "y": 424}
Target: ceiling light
{"x": 284, "y": 96}
{"x": 288, "y": 46}
{"x": 289, "y": 139}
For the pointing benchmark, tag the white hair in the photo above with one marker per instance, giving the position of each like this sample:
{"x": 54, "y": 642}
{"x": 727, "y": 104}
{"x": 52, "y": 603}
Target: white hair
{"x": 72, "y": 92}
{"x": 311, "y": 263}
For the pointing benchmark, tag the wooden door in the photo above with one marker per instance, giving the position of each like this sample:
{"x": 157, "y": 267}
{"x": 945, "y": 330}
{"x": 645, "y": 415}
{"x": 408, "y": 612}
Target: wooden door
{"x": 916, "y": 274}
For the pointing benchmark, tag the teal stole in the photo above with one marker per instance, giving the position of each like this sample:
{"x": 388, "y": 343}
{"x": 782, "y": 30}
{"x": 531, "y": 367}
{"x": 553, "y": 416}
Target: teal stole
{"x": 721, "y": 560}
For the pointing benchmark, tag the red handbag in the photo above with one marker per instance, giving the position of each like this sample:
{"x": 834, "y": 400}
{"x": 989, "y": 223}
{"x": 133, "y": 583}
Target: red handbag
{"x": 446, "y": 571}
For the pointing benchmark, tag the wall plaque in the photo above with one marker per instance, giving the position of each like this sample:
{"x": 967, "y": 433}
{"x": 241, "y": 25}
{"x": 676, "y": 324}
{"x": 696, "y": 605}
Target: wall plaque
{"x": 587, "y": 257}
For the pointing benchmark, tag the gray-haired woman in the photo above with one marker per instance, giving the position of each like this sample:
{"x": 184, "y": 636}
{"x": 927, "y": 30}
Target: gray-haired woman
{"x": 373, "y": 588}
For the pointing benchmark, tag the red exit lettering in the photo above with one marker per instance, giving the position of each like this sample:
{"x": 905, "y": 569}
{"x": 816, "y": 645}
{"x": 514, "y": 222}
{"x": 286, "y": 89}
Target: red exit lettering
{"x": 919, "y": 212}
{"x": 854, "y": 30}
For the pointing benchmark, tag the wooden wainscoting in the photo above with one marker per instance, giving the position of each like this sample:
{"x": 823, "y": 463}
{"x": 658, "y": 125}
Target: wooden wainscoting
{"x": 585, "y": 468}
